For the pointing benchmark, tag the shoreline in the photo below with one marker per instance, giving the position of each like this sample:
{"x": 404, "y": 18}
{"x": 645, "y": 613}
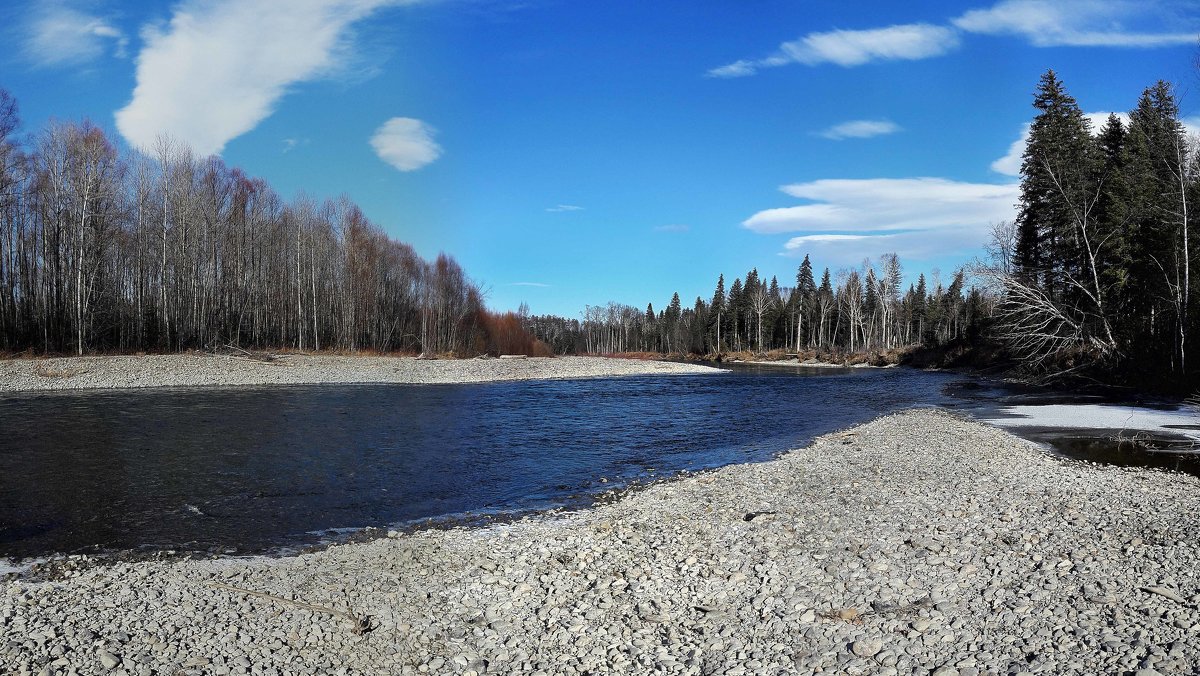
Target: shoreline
{"x": 206, "y": 370}
{"x": 815, "y": 364}
{"x": 917, "y": 542}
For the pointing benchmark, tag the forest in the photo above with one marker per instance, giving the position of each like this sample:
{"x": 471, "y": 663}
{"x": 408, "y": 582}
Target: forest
{"x": 158, "y": 250}
{"x": 1092, "y": 281}
{"x": 163, "y": 251}
{"x": 1094, "y": 277}
{"x": 855, "y": 311}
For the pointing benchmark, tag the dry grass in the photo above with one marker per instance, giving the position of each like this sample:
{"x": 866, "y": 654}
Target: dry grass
{"x": 643, "y": 356}
{"x": 45, "y": 369}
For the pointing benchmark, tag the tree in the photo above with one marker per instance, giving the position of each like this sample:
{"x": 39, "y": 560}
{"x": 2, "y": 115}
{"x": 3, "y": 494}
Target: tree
{"x": 717, "y": 309}
{"x": 806, "y": 291}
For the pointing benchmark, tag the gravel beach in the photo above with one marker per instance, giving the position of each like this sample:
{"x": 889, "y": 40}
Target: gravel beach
{"x": 200, "y": 370}
{"x": 917, "y": 543}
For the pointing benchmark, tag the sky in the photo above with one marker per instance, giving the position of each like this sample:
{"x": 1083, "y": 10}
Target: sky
{"x": 570, "y": 153}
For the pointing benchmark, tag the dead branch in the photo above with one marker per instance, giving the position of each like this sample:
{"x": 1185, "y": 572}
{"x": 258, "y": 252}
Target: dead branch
{"x": 359, "y": 624}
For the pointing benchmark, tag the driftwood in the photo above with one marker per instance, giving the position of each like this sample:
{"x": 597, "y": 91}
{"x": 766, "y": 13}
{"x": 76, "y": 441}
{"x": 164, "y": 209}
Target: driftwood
{"x": 513, "y": 356}
{"x": 235, "y": 352}
{"x": 1166, "y": 594}
{"x": 359, "y": 624}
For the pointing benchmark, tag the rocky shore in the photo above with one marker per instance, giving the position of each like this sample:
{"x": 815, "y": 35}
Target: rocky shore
{"x": 201, "y": 370}
{"x": 918, "y": 543}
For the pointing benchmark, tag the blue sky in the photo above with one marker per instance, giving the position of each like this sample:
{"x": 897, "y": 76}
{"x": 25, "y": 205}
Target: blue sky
{"x": 571, "y": 153}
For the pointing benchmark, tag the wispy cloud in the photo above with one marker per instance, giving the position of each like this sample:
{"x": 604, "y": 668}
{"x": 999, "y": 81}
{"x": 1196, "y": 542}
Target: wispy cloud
{"x": 866, "y": 205}
{"x": 564, "y": 207}
{"x": 406, "y": 143}
{"x": 860, "y": 129}
{"x": 290, "y": 144}
{"x": 673, "y": 227}
{"x": 848, "y": 48}
{"x": 1070, "y": 23}
{"x": 1082, "y": 23}
{"x": 58, "y": 34}
{"x": 920, "y": 217}
{"x": 535, "y": 284}
{"x": 219, "y": 67}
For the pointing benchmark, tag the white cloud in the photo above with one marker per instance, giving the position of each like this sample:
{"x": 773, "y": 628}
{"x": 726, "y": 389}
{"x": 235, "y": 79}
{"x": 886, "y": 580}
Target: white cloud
{"x": 1082, "y": 23}
{"x": 1010, "y": 164}
{"x": 860, "y": 129}
{"x": 916, "y": 217}
{"x": 60, "y": 35}
{"x": 885, "y": 204}
{"x": 673, "y": 227}
{"x": 219, "y": 67}
{"x": 1044, "y": 23}
{"x": 739, "y": 68}
{"x": 564, "y": 207}
{"x": 907, "y": 42}
{"x": 406, "y": 143}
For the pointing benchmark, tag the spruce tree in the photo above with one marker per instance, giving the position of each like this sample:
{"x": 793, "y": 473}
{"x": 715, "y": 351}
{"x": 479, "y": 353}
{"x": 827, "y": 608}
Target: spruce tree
{"x": 1056, "y": 178}
{"x": 734, "y": 310}
{"x": 806, "y": 291}
{"x": 717, "y": 311}
{"x": 1156, "y": 295}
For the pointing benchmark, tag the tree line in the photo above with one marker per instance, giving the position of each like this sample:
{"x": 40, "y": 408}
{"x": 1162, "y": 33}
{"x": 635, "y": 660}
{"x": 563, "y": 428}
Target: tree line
{"x": 162, "y": 250}
{"x": 1095, "y": 275}
{"x": 853, "y": 310}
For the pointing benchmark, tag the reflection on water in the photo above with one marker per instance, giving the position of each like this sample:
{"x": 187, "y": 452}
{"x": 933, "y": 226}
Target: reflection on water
{"x": 256, "y": 468}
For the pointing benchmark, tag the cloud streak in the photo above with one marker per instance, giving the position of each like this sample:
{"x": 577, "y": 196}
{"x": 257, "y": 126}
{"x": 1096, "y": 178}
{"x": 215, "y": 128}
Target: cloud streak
{"x": 219, "y": 67}
{"x": 920, "y": 217}
{"x": 563, "y": 207}
{"x": 406, "y": 143}
{"x": 1079, "y": 23}
{"x": 905, "y": 42}
{"x": 59, "y": 35}
{"x": 860, "y": 129}
{"x": 1062, "y": 23}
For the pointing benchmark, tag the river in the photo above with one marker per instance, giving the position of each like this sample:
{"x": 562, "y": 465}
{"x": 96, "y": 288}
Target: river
{"x": 260, "y": 469}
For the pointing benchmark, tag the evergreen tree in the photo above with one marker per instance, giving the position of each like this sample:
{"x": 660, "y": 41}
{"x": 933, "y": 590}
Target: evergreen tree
{"x": 921, "y": 306}
{"x": 825, "y": 305}
{"x": 671, "y": 317}
{"x": 717, "y": 311}
{"x": 806, "y": 291}
{"x": 1056, "y": 173}
{"x": 736, "y": 302}
{"x": 1155, "y": 297}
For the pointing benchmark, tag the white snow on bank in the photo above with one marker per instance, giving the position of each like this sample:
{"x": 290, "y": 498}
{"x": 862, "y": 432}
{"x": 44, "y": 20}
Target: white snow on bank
{"x": 1098, "y": 416}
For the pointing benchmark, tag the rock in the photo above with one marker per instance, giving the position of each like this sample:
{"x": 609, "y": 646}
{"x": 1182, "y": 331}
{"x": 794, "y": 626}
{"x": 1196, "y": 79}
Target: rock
{"x": 866, "y": 647}
{"x": 108, "y": 660}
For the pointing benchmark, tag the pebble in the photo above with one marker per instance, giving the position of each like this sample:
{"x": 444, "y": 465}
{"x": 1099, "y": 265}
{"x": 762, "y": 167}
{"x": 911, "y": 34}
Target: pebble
{"x": 929, "y": 544}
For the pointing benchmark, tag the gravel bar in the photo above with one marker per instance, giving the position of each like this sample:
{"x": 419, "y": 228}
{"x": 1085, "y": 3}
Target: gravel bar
{"x": 205, "y": 370}
{"x": 918, "y": 543}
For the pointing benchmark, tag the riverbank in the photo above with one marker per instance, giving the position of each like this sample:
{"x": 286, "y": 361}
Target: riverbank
{"x": 917, "y": 543}
{"x": 206, "y": 370}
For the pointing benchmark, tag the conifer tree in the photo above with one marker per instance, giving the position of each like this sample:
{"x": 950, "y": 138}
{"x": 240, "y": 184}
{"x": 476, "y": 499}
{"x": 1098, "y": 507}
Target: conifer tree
{"x": 806, "y": 291}
{"x": 717, "y": 310}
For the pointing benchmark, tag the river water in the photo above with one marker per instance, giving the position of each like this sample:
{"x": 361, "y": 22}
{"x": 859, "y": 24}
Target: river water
{"x": 251, "y": 470}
